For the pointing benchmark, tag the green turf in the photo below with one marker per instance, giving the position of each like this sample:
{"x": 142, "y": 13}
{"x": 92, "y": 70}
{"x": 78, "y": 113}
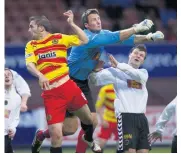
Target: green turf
{"x": 107, "y": 150}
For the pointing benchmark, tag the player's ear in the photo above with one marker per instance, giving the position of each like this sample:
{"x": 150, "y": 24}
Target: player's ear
{"x": 86, "y": 25}
{"x": 41, "y": 28}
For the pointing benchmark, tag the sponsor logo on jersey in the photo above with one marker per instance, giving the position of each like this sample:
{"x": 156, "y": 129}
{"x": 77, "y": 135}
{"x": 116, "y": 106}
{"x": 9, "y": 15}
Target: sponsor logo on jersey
{"x": 134, "y": 84}
{"x": 50, "y": 54}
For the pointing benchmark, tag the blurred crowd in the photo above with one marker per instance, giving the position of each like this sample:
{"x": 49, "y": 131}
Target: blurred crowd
{"x": 115, "y": 15}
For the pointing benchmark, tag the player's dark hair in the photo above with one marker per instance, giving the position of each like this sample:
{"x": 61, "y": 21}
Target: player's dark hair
{"x": 42, "y": 21}
{"x": 140, "y": 47}
{"x": 86, "y": 14}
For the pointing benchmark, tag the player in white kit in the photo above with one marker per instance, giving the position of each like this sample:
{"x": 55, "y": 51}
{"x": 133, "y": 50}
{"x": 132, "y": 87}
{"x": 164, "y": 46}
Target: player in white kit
{"x": 16, "y": 96}
{"x": 165, "y": 116}
{"x": 131, "y": 99}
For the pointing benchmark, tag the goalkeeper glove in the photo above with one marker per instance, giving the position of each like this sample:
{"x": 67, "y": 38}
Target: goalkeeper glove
{"x": 143, "y": 26}
{"x": 158, "y": 35}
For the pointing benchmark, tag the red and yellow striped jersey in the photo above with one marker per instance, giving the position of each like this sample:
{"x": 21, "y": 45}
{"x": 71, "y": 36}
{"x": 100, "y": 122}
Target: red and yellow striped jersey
{"x": 106, "y": 98}
{"x": 50, "y": 54}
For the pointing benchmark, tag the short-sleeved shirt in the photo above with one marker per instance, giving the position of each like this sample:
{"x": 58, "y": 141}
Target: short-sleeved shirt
{"x": 50, "y": 54}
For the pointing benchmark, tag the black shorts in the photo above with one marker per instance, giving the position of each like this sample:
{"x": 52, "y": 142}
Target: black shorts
{"x": 133, "y": 132}
{"x": 174, "y": 145}
{"x": 84, "y": 86}
{"x": 7, "y": 147}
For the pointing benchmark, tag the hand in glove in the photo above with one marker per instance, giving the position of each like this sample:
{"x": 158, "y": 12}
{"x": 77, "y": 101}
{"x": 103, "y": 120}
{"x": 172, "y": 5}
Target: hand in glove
{"x": 143, "y": 26}
{"x": 158, "y": 35}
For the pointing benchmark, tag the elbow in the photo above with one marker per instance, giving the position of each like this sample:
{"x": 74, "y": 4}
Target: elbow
{"x": 85, "y": 40}
{"x": 26, "y": 94}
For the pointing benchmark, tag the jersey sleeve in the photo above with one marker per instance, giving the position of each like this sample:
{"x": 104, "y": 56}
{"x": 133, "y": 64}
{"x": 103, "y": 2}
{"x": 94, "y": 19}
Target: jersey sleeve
{"x": 71, "y": 40}
{"x": 140, "y": 75}
{"x": 166, "y": 115}
{"x": 101, "y": 98}
{"x": 20, "y": 84}
{"x": 104, "y": 77}
{"x": 129, "y": 41}
{"x": 105, "y": 38}
{"x": 29, "y": 54}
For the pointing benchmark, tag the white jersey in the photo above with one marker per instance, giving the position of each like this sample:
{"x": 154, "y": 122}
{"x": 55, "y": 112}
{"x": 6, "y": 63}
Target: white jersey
{"x": 129, "y": 85}
{"x": 20, "y": 84}
{"x": 12, "y": 109}
{"x": 166, "y": 115}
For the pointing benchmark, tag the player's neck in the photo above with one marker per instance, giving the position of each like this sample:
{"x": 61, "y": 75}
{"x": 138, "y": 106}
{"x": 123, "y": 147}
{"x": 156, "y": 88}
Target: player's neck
{"x": 44, "y": 35}
{"x": 8, "y": 87}
{"x": 94, "y": 31}
{"x": 133, "y": 65}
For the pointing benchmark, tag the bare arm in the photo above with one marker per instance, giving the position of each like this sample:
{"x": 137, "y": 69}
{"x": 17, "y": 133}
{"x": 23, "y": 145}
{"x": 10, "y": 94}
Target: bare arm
{"x": 43, "y": 81}
{"x": 82, "y": 36}
{"x": 33, "y": 70}
{"x": 24, "y": 100}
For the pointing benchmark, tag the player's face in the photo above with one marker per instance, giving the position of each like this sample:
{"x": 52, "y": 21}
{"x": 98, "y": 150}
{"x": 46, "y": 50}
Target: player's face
{"x": 8, "y": 76}
{"x": 137, "y": 57}
{"x": 34, "y": 30}
{"x": 94, "y": 22}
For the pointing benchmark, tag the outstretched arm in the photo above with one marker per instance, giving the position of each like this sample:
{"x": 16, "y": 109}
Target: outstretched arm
{"x": 108, "y": 37}
{"x": 141, "y": 27}
{"x": 78, "y": 31}
{"x": 157, "y": 36}
{"x": 151, "y": 37}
